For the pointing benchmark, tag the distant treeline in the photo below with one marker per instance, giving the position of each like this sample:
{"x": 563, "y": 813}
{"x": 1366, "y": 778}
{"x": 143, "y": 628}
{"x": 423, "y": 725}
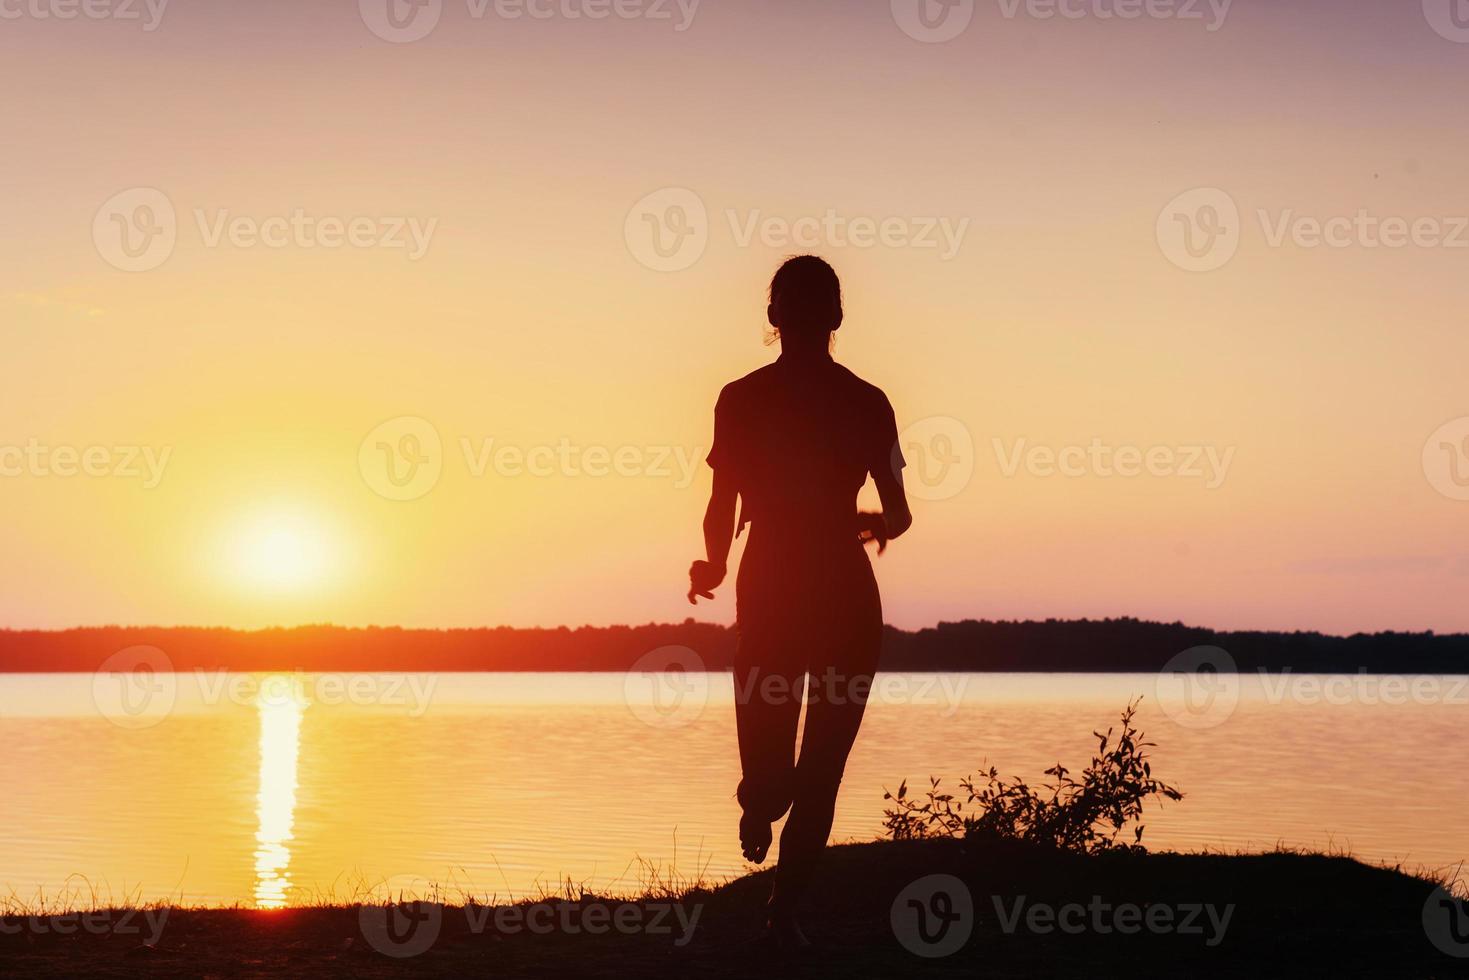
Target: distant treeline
{"x": 1053, "y": 645}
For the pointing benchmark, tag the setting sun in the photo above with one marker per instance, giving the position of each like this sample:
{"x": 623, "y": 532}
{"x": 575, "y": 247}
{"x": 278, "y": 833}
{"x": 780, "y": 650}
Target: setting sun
{"x": 281, "y": 553}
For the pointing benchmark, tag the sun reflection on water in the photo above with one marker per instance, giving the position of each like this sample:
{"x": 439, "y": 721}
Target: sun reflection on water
{"x": 281, "y": 702}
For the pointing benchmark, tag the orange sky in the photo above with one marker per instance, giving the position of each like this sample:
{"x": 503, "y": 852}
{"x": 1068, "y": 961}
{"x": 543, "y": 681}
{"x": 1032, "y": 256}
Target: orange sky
{"x": 454, "y": 231}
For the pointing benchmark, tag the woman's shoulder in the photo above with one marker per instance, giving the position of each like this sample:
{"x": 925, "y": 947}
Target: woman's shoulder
{"x": 754, "y": 381}
{"x": 862, "y": 389}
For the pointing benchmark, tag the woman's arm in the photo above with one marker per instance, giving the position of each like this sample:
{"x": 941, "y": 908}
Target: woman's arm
{"x": 895, "y": 517}
{"x": 895, "y": 510}
{"x": 719, "y": 519}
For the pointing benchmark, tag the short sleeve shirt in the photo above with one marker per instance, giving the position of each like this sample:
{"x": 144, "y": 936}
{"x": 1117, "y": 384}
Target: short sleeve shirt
{"x": 799, "y": 440}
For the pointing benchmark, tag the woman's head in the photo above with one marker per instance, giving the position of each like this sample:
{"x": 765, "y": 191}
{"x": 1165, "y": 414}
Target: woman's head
{"x": 805, "y": 301}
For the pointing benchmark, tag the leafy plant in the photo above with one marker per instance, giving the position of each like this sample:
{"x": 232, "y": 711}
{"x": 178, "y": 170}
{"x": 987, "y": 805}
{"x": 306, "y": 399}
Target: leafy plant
{"x": 1087, "y": 815}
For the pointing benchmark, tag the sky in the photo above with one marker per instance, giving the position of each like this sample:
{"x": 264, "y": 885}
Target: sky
{"x": 416, "y": 315}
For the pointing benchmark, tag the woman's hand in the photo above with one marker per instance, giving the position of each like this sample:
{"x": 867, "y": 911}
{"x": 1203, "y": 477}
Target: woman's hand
{"x": 704, "y": 578}
{"x": 873, "y": 527}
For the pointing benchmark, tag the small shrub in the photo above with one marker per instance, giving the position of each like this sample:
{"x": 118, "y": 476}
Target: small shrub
{"x": 1086, "y": 815}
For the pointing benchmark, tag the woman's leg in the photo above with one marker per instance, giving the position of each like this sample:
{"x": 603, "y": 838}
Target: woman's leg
{"x": 842, "y": 671}
{"x": 835, "y": 704}
{"x": 767, "y": 709}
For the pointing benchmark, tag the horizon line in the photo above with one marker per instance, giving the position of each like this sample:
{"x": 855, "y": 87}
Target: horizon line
{"x": 691, "y": 621}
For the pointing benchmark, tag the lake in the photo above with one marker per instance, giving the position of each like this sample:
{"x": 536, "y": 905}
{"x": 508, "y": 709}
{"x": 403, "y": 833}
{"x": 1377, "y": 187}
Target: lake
{"x": 267, "y": 790}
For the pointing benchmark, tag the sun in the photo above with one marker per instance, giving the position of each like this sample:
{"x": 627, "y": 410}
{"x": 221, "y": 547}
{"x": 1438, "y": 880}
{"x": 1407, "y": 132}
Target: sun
{"x": 281, "y": 552}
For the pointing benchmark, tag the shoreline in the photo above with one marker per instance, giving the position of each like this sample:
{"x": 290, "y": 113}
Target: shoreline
{"x": 1012, "y": 910}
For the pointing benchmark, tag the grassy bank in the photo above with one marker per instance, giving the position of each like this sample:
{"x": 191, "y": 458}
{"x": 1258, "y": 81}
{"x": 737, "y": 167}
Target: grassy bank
{"x": 1211, "y": 915}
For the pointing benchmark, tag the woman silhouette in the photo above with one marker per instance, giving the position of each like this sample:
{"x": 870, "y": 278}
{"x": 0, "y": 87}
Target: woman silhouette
{"x": 794, "y": 442}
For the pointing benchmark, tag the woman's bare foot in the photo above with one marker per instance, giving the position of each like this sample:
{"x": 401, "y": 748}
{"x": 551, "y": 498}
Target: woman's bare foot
{"x": 755, "y": 838}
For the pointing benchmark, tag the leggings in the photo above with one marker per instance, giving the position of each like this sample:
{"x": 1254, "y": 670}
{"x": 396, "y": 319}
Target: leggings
{"x": 820, "y": 634}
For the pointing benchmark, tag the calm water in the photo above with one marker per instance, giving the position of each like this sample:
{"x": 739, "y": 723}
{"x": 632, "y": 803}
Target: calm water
{"x": 270, "y": 790}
